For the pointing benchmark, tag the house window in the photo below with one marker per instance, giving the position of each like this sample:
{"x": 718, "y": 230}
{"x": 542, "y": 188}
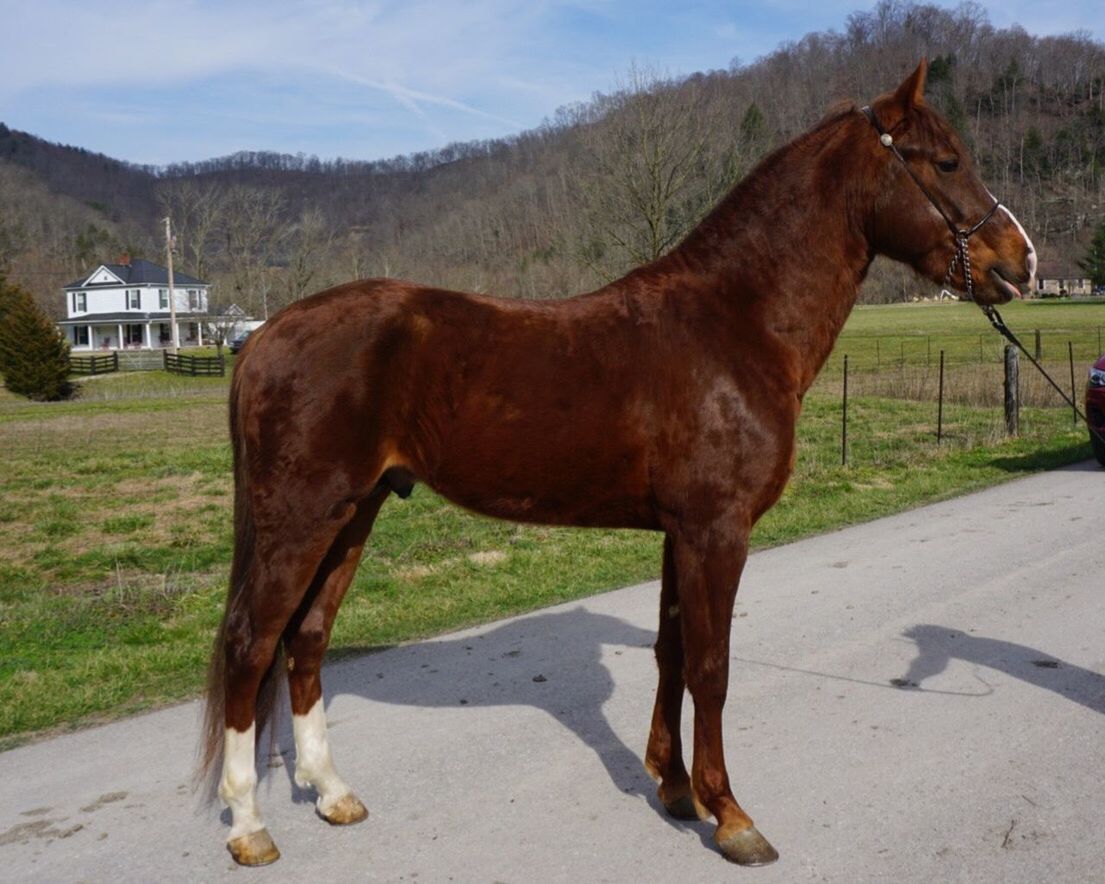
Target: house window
{"x": 80, "y": 335}
{"x": 80, "y": 302}
{"x": 133, "y": 335}
{"x": 134, "y": 299}
{"x": 193, "y": 299}
{"x": 162, "y": 299}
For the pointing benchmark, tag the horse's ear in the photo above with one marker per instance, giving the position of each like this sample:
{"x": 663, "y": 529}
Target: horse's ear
{"x": 911, "y": 93}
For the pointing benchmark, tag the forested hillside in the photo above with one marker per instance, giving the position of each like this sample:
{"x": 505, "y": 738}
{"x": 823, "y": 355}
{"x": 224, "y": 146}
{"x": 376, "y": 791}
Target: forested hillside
{"x": 598, "y": 188}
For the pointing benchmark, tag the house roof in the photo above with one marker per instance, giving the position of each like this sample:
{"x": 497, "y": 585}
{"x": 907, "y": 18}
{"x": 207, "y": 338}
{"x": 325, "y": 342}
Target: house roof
{"x": 132, "y": 316}
{"x": 1059, "y": 270}
{"x": 139, "y": 272}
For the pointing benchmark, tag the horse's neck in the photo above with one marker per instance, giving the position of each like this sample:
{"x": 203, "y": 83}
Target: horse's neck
{"x": 785, "y": 251}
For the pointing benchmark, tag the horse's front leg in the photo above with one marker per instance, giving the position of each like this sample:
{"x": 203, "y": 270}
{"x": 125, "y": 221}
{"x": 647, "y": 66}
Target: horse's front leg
{"x": 708, "y": 567}
{"x": 664, "y": 755}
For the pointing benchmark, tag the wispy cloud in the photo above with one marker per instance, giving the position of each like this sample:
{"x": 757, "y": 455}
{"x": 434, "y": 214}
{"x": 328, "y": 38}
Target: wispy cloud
{"x": 412, "y": 98}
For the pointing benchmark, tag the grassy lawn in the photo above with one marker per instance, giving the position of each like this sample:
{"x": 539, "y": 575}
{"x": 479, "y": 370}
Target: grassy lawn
{"x": 115, "y": 534}
{"x": 878, "y": 337}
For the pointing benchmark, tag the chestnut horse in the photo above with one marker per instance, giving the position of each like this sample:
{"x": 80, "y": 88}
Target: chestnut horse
{"x": 666, "y": 400}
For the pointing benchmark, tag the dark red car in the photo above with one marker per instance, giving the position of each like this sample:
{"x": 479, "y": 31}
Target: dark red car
{"x": 1095, "y": 408}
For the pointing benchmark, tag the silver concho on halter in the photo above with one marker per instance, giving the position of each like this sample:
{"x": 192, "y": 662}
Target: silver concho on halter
{"x": 886, "y": 139}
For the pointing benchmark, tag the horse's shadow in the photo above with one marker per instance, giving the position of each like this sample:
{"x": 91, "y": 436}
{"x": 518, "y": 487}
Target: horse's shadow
{"x": 549, "y": 661}
{"x": 937, "y": 646}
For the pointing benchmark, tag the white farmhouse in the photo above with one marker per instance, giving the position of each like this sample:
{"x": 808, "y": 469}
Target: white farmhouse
{"x": 126, "y": 306}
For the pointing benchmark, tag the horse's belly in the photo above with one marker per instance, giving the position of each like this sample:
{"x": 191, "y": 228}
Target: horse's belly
{"x": 552, "y": 490}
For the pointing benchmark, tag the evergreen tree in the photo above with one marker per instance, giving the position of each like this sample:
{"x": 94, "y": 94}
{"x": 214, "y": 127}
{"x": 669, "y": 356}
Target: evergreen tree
{"x": 34, "y": 357}
{"x": 1094, "y": 264}
{"x": 753, "y": 126}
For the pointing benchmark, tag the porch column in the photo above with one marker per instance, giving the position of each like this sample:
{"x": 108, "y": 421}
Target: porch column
{"x": 119, "y": 342}
{"x": 147, "y": 339}
{"x": 91, "y": 340}
{"x": 199, "y": 334}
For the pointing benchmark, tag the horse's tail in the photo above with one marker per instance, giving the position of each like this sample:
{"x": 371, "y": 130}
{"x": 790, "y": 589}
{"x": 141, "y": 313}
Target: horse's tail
{"x": 214, "y": 719}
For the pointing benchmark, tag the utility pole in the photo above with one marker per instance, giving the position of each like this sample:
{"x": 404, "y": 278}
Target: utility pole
{"x": 172, "y": 295}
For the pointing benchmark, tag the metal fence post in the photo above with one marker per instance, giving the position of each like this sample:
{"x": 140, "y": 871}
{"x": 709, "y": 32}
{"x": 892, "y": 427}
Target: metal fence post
{"x": 844, "y": 419}
{"x": 940, "y": 406}
{"x": 1073, "y": 390}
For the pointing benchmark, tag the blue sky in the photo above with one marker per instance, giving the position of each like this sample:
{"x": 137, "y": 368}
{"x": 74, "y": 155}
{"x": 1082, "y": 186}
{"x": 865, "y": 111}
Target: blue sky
{"x": 155, "y": 81}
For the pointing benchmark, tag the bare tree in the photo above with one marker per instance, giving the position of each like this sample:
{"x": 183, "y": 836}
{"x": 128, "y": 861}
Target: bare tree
{"x": 253, "y": 233}
{"x": 196, "y": 209}
{"x": 310, "y": 243}
{"x": 649, "y": 170}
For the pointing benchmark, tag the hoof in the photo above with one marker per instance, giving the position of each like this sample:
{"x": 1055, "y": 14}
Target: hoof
{"x": 345, "y": 811}
{"x": 746, "y": 847}
{"x": 682, "y": 808}
{"x": 254, "y": 849}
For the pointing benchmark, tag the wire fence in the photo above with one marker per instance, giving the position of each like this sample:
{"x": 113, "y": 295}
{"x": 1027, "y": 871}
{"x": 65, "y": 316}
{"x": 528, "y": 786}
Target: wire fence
{"x": 877, "y": 352}
{"x": 973, "y": 401}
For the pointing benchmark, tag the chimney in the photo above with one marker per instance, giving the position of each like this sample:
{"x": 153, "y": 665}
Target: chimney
{"x": 124, "y": 259}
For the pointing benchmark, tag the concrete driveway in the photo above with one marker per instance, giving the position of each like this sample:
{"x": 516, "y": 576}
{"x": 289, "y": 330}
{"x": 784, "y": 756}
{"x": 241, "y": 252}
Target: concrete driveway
{"x": 916, "y": 699}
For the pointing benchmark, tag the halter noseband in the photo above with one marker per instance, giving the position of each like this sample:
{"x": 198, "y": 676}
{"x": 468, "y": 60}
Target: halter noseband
{"x": 959, "y": 234}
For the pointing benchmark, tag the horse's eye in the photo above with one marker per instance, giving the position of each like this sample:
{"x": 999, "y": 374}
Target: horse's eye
{"x": 948, "y": 165}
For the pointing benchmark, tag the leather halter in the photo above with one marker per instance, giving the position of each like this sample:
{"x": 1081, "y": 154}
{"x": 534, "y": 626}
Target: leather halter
{"x": 960, "y": 235}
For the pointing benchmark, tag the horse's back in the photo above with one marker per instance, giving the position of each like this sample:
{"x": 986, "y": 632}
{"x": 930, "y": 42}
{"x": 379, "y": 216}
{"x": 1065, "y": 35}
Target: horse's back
{"x": 493, "y": 402}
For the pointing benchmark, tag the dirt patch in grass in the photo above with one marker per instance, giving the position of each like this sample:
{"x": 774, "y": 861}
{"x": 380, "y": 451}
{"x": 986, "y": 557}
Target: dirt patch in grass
{"x": 186, "y": 513}
{"x": 488, "y": 558}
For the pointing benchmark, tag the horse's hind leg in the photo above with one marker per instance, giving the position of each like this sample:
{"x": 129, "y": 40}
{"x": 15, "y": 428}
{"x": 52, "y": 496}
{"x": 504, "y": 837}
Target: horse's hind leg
{"x": 273, "y": 582}
{"x": 305, "y": 641}
{"x": 664, "y": 755}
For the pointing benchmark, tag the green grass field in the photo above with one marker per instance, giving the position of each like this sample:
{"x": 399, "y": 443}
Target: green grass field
{"x": 879, "y": 337}
{"x": 115, "y": 533}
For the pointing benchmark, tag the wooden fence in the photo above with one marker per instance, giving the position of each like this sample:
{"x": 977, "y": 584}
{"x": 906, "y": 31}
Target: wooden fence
{"x": 101, "y": 363}
{"x": 195, "y": 365}
{"x": 140, "y": 360}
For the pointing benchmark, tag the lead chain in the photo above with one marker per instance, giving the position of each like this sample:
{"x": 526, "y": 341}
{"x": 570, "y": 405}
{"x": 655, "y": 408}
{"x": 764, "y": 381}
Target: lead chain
{"x": 964, "y": 251}
{"x": 962, "y": 256}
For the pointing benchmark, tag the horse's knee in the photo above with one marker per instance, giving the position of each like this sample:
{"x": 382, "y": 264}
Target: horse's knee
{"x": 667, "y": 657}
{"x": 707, "y": 674}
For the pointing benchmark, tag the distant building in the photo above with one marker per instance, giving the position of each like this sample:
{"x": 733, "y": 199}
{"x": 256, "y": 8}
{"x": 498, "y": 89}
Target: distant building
{"x": 126, "y": 306}
{"x": 1055, "y": 279}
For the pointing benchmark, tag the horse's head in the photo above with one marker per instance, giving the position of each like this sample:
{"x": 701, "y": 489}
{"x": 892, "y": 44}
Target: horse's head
{"x": 928, "y": 192}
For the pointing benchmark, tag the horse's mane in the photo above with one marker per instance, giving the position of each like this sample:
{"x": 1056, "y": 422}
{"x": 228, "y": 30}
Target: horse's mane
{"x": 835, "y": 113}
{"x": 720, "y": 220}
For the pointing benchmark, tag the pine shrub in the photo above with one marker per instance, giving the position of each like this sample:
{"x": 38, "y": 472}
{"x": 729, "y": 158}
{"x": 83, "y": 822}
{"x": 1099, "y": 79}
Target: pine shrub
{"x": 34, "y": 356}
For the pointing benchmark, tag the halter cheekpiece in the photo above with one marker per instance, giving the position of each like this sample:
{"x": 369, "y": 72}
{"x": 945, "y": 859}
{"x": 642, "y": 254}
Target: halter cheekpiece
{"x": 960, "y": 235}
